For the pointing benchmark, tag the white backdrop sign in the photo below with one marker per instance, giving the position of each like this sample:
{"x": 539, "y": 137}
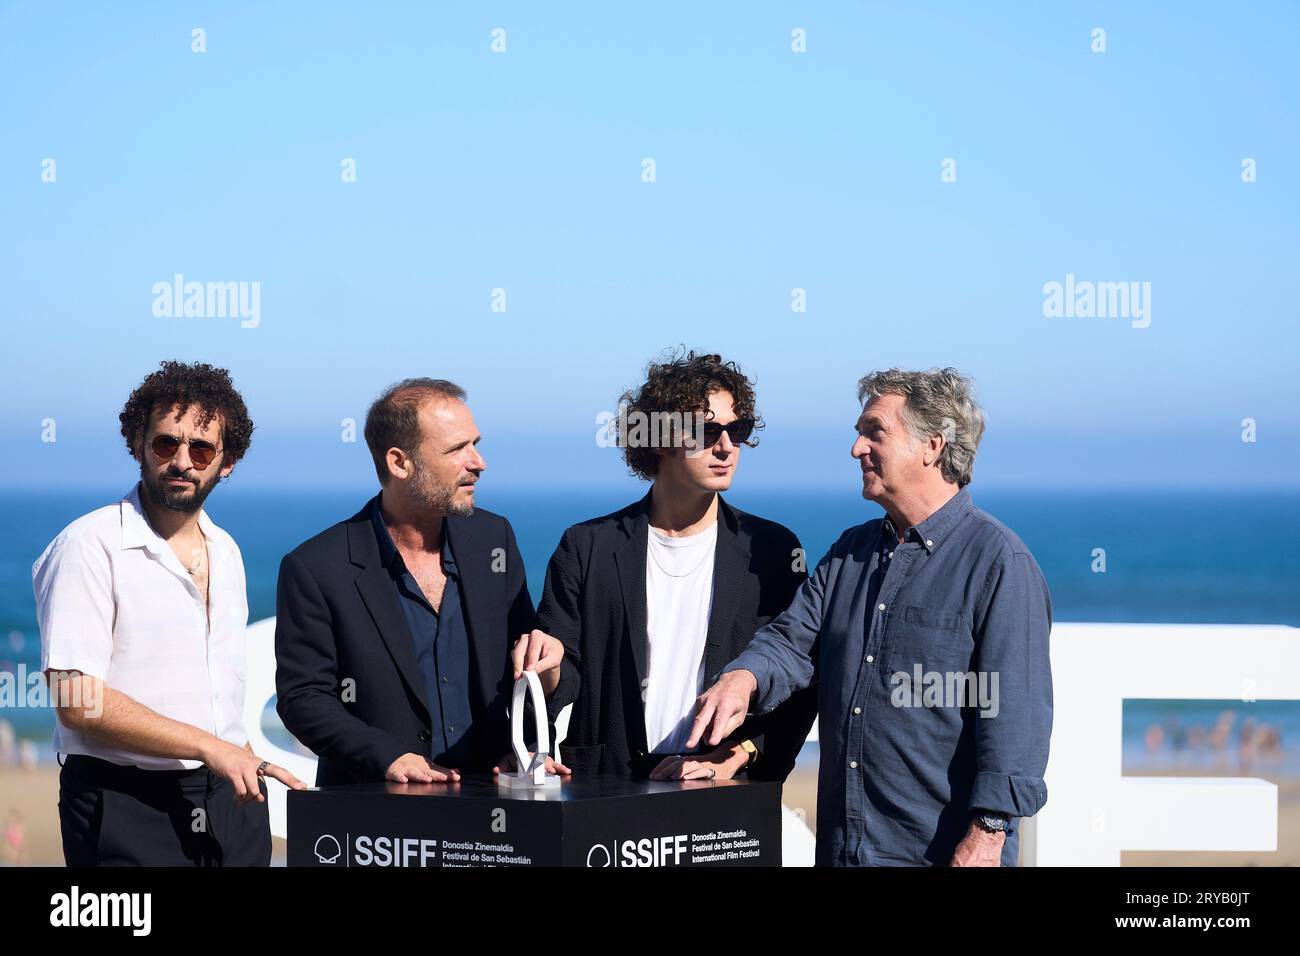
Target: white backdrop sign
{"x": 1092, "y": 812}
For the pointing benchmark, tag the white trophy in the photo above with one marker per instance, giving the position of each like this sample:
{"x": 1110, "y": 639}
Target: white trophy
{"x": 529, "y": 772}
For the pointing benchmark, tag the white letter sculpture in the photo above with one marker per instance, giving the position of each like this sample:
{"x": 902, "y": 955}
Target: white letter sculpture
{"x": 529, "y": 771}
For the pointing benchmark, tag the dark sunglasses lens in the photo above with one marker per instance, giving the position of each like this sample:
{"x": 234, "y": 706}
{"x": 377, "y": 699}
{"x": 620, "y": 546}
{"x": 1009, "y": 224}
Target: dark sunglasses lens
{"x": 165, "y": 446}
{"x": 741, "y": 430}
{"x": 201, "y": 453}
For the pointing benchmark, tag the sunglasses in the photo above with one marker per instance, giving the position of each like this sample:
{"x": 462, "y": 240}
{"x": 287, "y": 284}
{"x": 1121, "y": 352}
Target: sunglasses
{"x": 739, "y": 431}
{"x": 202, "y": 452}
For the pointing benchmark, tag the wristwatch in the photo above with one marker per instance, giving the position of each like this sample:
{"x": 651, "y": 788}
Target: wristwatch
{"x": 750, "y": 751}
{"x": 991, "y": 822}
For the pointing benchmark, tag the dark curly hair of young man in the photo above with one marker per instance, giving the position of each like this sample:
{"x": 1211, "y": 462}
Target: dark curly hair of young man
{"x": 681, "y": 382}
{"x": 199, "y": 384}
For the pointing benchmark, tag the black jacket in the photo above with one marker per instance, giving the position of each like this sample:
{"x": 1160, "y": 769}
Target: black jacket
{"x": 595, "y": 602}
{"x": 338, "y": 617}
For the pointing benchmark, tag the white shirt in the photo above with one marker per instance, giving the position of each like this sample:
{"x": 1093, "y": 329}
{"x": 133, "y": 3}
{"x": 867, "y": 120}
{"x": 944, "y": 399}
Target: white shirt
{"x": 679, "y": 597}
{"x": 114, "y": 602}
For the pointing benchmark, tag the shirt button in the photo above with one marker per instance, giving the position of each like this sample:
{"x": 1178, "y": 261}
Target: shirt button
{"x": 444, "y": 680}
{"x": 880, "y": 607}
{"x": 853, "y": 765}
{"x": 891, "y": 554}
{"x": 452, "y": 729}
{"x": 870, "y": 658}
{"x": 857, "y": 710}
{"x": 929, "y": 543}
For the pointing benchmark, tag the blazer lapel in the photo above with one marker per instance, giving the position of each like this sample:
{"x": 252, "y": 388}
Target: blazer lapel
{"x": 630, "y": 559}
{"x": 730, "y": 562}
{"x": 377, "y": 593}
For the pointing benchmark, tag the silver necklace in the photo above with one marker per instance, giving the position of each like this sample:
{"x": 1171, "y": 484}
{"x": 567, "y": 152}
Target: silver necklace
{"x": 685, "y": 574}
{"x": 198, "y": 561}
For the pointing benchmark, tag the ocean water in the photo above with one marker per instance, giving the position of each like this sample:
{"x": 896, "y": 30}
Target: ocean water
{"x": 1177, "y": 557}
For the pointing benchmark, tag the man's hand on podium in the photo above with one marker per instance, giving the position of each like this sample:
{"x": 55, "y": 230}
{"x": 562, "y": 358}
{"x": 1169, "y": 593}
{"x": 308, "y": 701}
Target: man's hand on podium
{"x": 415, "y": 768}
{"x": 507, "y": 764}
{"x": 722, "y": 708}
{"x": 721, "y": 764}
{"x": 538, "y": 651}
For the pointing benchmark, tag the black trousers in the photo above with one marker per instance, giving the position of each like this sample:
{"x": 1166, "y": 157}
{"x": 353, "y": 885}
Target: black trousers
{"x": 124, "y": 816}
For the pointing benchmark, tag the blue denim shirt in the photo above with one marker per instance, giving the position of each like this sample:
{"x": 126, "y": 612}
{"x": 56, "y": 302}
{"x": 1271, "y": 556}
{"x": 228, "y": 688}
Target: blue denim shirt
{"x": 441, "y": 646}
{"x": 889, "y": 630}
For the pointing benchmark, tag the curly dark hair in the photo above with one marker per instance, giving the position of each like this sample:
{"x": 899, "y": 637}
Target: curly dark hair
{"x": 205, "y": 386}
{"x": 681, "y": 382}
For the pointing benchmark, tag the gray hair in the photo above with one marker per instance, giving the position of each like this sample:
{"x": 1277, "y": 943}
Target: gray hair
{"x": 394, "y": 419}
{"x": 938, "y": 402}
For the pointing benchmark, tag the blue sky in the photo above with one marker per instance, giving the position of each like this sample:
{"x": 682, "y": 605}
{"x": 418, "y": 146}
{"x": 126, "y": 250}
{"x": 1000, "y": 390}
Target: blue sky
{"x": 774, "y": 170}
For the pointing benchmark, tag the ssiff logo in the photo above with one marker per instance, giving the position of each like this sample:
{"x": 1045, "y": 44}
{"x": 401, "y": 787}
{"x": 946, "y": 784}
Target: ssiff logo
{"x": 649, "y": 851}
{"x": 327, "y": 849}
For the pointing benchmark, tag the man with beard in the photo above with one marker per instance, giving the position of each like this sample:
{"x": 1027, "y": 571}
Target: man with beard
{"x": 400, "y": 631}
{"x": 142, "y": 615}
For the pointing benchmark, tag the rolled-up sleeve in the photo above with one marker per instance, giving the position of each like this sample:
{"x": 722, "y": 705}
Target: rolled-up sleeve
{"x": 1011, "y": 743}
{"x": 782, "y": 655}
{"x": 73, "y": 584}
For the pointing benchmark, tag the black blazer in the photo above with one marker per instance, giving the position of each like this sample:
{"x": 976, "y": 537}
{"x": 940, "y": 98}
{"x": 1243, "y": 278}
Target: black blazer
{"x": 595, "y": 602}
{"x": 338, "y": 617}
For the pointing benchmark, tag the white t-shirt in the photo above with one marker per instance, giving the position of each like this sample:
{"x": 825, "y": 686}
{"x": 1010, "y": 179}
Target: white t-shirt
{"x": 679, "y": 597}
{"x": 114, "y": 602}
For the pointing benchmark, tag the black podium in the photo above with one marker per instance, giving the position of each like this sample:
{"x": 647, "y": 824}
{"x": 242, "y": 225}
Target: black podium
{"x": 588, "y": 821}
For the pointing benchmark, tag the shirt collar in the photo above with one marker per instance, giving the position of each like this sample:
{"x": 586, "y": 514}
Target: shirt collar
{"x": 931, "y": 532}
{"x": 137, "y": 532}
{"x": 388, "y": 551}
